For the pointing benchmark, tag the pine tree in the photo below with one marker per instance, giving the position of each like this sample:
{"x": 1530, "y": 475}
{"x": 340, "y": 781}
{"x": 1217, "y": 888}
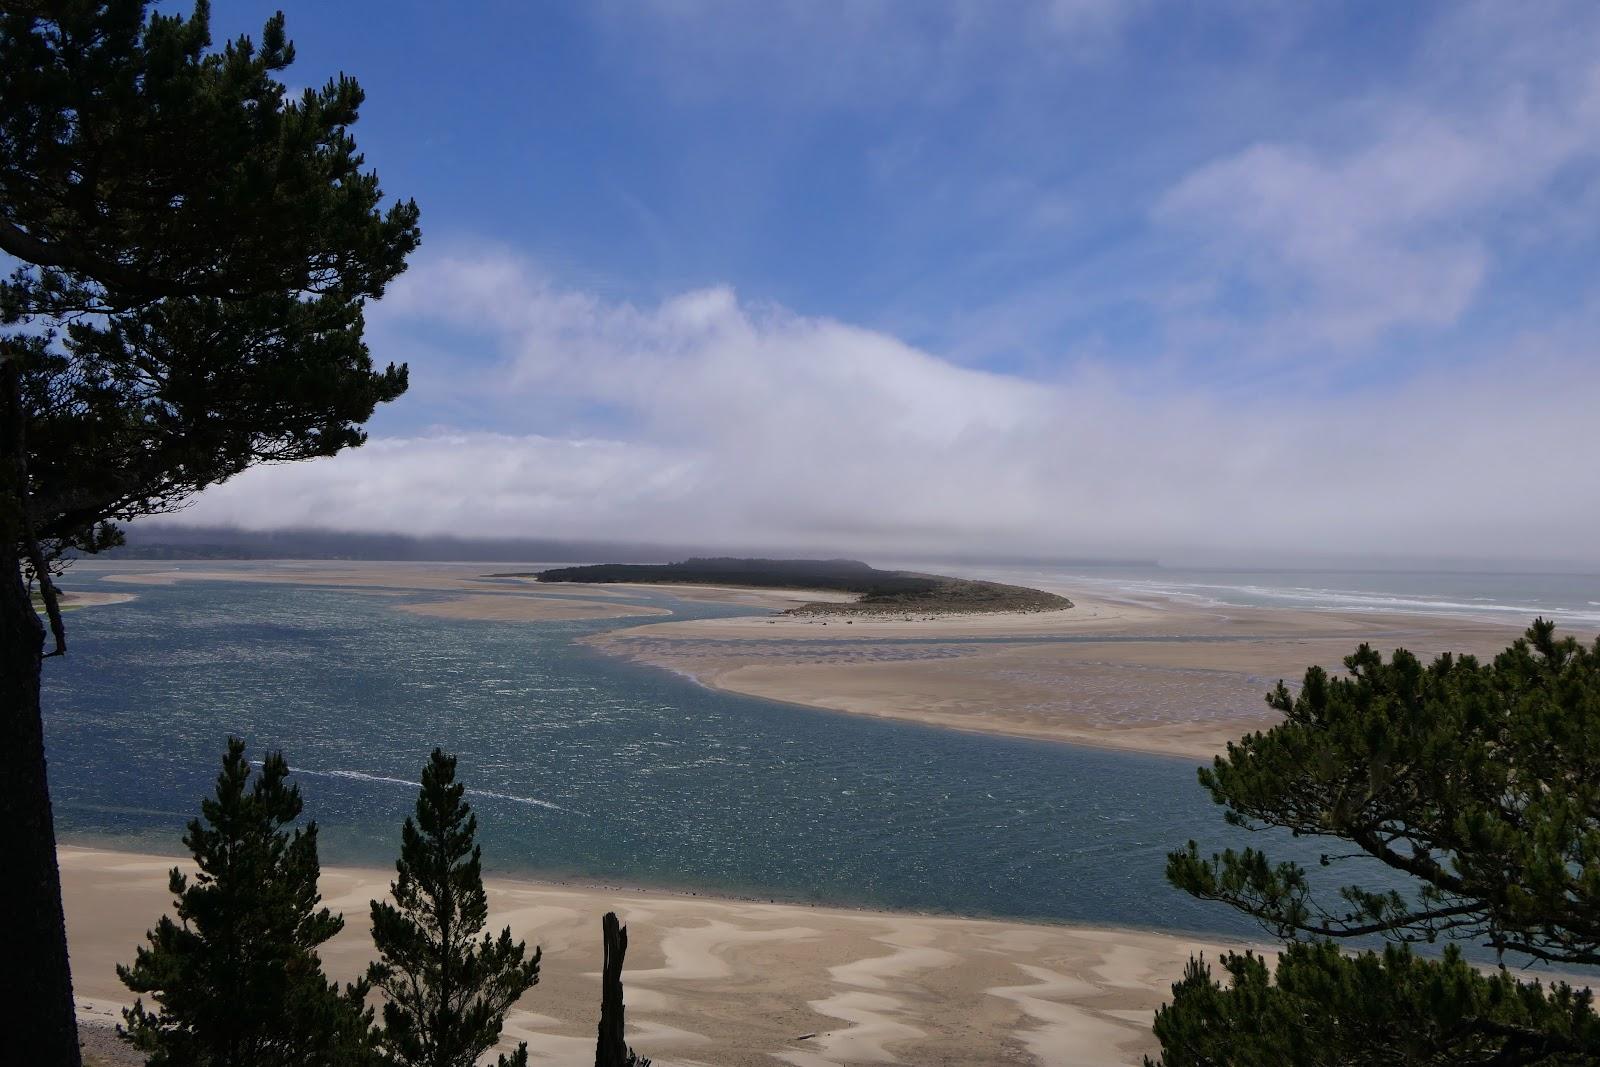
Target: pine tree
{"x": 1478, "y": 781}
{"x": 1321, "y": 1007}
{"x": 446, "y": 992}
{"x": 236, "y": 979}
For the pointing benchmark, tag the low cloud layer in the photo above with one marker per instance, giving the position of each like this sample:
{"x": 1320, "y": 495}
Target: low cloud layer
{"x": 706, "y": 420}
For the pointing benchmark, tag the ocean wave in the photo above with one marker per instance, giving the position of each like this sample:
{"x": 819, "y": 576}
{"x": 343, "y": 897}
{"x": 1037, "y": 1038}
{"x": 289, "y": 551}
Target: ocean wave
{"x": 1353, "y": 600}
{"x": 1221, "y": 594}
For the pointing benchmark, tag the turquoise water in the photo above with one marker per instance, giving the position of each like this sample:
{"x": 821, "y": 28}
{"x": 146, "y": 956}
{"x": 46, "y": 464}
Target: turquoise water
{"x": 590, "y": 767}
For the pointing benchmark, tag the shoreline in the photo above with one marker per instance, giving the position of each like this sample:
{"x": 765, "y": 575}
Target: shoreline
{"x": 1160, "y": 748}
{"x": 733, "y": 896}
{"x": 1117, "y": 671}
{"x": 715, "y": 980}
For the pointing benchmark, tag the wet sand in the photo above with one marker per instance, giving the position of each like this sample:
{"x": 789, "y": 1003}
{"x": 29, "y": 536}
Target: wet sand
{"x": 72, "y": 600}
{"x": 1153, "y": 676}
{"x": 733, "y": 982}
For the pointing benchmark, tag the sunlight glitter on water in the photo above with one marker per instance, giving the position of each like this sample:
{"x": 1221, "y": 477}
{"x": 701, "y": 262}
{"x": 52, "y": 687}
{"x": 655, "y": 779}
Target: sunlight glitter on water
{"x": 588, "y": 766}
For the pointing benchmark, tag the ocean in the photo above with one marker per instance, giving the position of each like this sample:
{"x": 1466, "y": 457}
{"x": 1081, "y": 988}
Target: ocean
{"x": 1572, "y": 599}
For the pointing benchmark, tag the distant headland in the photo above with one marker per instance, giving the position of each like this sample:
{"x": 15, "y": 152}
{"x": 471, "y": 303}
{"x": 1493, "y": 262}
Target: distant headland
{"x": 878, "y": 592}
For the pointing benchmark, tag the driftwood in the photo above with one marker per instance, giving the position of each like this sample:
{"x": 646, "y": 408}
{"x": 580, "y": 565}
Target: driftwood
{"x": 612, "y": 1049}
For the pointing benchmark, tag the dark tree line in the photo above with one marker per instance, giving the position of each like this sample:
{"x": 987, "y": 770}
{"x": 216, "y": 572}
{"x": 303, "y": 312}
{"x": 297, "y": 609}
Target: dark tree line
{"x": 235, "y": 979}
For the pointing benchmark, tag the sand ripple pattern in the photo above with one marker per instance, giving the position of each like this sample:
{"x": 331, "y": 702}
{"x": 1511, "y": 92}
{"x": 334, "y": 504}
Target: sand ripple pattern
{"x": 735, "y": 983}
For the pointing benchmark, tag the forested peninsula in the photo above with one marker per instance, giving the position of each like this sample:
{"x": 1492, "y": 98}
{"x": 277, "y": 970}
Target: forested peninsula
{"x": 878, "y": 592}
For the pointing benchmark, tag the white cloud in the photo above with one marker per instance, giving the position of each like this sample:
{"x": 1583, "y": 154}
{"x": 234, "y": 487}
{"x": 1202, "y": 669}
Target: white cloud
{"x": 734, "y": 424}
{"x": 1386, "y": 212}
{"x": 862, "y": 54}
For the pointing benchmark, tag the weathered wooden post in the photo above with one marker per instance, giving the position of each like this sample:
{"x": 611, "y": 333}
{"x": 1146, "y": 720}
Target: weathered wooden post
{"x": 612, "y": 1049}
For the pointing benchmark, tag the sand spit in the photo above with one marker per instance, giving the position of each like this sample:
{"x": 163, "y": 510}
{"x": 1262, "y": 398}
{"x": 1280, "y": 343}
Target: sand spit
{"x": 735, "y": 982}
{"x": 77, "y": 599}
{"x": 482, "y": 597}
{"x": 1151, "y": 676}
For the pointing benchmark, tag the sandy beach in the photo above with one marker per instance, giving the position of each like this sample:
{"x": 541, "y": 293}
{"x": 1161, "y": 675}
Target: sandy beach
{"x": 73, "y": 600}
{"x": 1152, "y": 675}
{"x": 732, "y": 982}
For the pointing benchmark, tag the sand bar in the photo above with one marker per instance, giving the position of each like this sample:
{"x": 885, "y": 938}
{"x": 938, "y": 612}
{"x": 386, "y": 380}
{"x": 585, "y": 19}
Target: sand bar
{"x": 734, "y": 982}
{"x": 1147, "y": 675}
{"x": 463, "y": 577}
{"x": 482, "y": 597}
{"x": 79, "y": 599}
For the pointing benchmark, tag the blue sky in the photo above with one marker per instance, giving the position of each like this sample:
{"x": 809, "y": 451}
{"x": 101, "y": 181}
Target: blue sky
{"x": 1070, "y": 276}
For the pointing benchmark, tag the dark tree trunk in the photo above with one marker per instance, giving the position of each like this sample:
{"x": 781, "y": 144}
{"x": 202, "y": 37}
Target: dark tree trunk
{"x": 613, "y": 1050}
{"x": 35, "y": 978}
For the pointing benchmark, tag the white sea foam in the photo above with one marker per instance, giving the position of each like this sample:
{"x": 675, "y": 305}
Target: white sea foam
{"x": 1333, "y": 598}
{"x": 363, "y": 776}
{"x": 1351, "y": 600}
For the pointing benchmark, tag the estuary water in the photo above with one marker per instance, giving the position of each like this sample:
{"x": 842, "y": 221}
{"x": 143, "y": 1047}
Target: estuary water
{"x": 588, "y": 767}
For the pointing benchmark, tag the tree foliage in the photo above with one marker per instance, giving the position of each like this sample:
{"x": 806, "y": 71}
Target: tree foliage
{"x": 193, "y": 251}
{"x": 196, "y": 248}
{"x": 236, "y": 979}
{"x": 447, "y": 991}
{"x": 1479, "y": 782}
{"x": 1322, "y": 1008}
